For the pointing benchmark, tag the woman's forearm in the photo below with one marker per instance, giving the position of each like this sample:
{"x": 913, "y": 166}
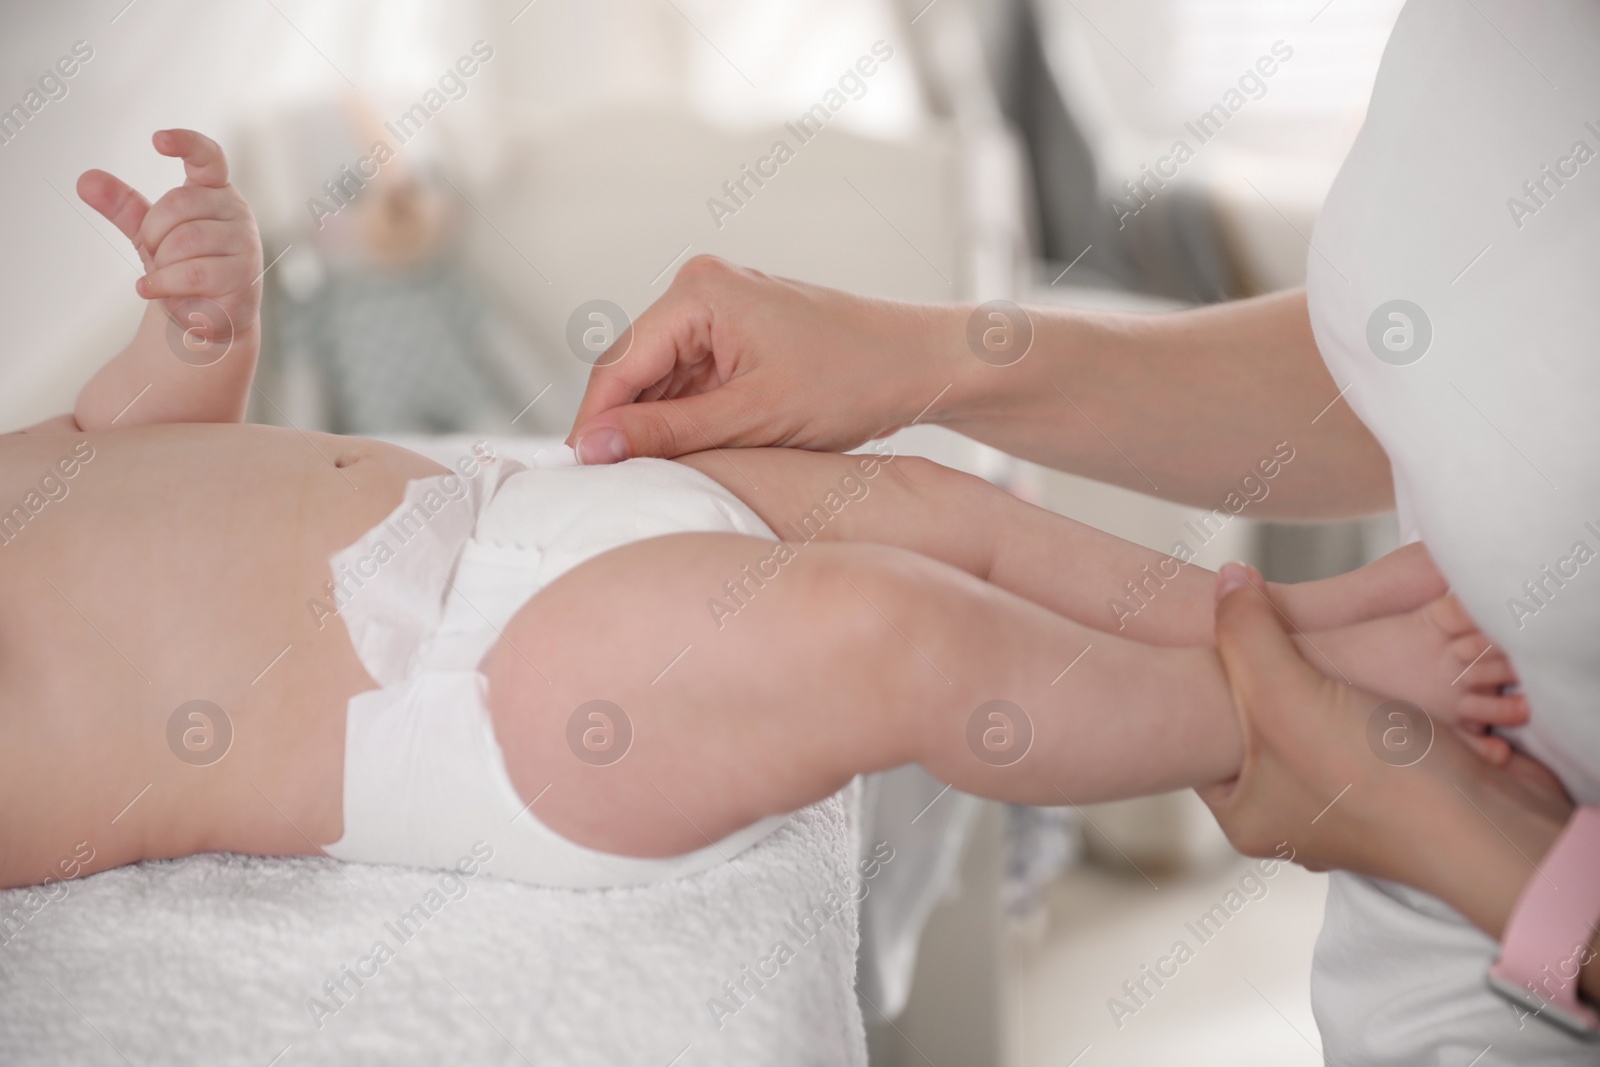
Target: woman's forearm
{"x": 1184, "y": 406}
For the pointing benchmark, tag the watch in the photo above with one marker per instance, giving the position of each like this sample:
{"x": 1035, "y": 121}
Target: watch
{"x": 1547, "y": 939}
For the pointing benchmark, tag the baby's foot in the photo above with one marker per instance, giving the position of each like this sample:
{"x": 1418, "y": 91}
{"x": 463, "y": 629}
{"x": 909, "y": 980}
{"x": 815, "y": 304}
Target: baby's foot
{"x": 1434, "y": 657}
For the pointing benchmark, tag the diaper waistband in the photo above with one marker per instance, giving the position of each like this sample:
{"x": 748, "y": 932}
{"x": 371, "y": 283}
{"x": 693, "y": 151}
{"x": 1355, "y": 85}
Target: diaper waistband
{"x": 390, "y": 587}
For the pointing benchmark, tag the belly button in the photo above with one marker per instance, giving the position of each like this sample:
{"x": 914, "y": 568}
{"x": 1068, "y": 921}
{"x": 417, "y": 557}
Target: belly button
{"x": 345, "y": 459}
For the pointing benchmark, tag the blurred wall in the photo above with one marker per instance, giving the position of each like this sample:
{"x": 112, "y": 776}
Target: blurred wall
{"x": 68, "y": 298}
{"x": 585, "y": 150}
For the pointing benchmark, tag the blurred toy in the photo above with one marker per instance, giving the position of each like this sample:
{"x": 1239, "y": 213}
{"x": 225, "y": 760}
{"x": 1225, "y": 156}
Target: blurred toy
{"x": 374, "y": 327}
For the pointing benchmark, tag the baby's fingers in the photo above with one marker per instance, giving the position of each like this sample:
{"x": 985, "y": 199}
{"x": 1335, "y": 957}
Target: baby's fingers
{"x": 203, "y": 161}
{"x": 201, "y": 237}
{"x": 204, "y": 276}
{"x": 187, "y": 203}
{"x": 122, "y": 205}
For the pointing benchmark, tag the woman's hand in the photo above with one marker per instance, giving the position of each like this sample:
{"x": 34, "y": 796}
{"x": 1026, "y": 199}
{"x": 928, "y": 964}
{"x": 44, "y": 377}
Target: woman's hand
{"x": 732, "y": 357}
{"x": 1333, "y": 777}
{"x": 1197, "y": 407}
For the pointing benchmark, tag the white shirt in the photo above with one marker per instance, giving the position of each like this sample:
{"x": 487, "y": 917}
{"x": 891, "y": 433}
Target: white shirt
{"x": 1473, "y": 193}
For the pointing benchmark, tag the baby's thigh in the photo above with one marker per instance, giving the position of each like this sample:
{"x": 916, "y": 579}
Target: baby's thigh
{"x": 809, "y": 495}
{"x": 671, "y": 691}
{"x": 907, "y": 501}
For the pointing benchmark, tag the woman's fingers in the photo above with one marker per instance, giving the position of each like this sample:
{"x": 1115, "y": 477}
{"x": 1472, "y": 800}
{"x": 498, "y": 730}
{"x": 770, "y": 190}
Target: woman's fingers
{"x": 670, "y": 427}
{"x": 1262, "y": 662}
{"x": 1543, "y": 785}
{"x": 671, "y": 340}
{"x": 1267, "y": 676}
{"x": 122, "y": 205}
{"x": 788, "y": 364}
{"x": 203, "y": 161}
{"x": 1493, "y": 750}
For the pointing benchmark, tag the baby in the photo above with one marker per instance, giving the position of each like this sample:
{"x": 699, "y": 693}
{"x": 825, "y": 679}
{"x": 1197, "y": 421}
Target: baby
{"x": 219, "y": 636}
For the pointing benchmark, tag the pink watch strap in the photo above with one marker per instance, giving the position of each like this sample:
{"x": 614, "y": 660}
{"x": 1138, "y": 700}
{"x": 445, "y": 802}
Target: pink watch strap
{"x": 1547, "y": 939}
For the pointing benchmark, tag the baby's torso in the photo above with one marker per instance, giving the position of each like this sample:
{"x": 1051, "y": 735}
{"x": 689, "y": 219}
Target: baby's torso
{"x": 160, "y": 653}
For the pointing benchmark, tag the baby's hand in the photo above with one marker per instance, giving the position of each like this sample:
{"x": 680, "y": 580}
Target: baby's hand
{"x": 199, "y": 245}
{"x": 1434, "y": 657}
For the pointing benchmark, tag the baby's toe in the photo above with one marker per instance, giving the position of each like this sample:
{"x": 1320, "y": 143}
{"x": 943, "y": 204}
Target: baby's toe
{"x": 1450, "y": 617}
{"x": 1487, "y": 710}
{"x": 1473, "y": 663}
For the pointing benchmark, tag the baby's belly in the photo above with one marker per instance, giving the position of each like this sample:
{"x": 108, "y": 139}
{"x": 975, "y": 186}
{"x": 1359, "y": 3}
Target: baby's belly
{"x": 168, "y": 662}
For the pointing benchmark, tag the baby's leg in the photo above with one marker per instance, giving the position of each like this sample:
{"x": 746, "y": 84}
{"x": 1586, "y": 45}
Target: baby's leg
{"x": 1108, "y": 584}
{"x": 846, "y": 658}
{"x": 1074, "y": 570}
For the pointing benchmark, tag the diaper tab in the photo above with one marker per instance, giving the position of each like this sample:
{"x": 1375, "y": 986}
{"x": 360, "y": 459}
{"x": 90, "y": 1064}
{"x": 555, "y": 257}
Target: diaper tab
{"x": 389, "y": 587}
{"x": 555, "y": 456}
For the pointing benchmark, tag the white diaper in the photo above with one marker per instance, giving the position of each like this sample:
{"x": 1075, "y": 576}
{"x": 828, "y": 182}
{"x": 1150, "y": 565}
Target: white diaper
{"x": 425, "y": 596}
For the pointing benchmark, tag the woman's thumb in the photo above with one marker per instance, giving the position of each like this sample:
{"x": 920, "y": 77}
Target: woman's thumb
{"x": 1263, "y": 665}
{"x": 661, "y": 428}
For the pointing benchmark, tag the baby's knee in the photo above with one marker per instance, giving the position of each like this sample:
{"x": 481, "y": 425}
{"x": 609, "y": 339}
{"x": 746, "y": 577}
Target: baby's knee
{"x": 863, "y": 601}
{"x": 924, "y": 478}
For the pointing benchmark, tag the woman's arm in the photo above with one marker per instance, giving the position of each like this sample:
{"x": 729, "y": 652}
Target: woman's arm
{"x": 1184, "y": 406}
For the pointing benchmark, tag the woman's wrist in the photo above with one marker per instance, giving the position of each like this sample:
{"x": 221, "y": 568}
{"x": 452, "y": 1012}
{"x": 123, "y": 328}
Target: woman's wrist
{"x": 991, "y": 387}
{"x": 938, "y": 384}
{"x": 1480, "y": 855}
{"x": 1481, "y": 859}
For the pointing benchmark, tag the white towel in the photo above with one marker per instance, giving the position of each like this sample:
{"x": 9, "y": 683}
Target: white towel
{"x": 222, "y": 959}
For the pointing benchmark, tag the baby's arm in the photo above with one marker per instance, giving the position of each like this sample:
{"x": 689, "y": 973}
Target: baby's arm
{"x": 194, "y": 354}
